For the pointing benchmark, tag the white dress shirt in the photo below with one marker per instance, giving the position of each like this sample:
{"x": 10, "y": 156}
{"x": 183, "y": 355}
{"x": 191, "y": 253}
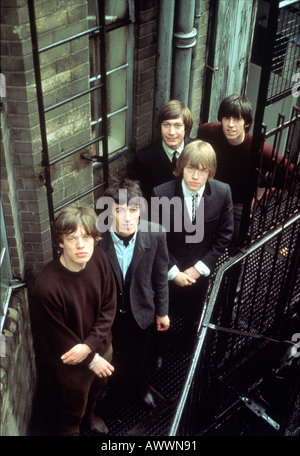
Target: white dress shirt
{"x": 170, "y": 151}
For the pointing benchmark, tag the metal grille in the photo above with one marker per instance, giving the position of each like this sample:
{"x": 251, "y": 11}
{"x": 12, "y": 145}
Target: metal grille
{"x": 276, "y": 193}
{"x": 247, "y": 327}
{"x": 286, "y": 52}
{"x": 54, "y": 105}
{"x": 125, "y": 416}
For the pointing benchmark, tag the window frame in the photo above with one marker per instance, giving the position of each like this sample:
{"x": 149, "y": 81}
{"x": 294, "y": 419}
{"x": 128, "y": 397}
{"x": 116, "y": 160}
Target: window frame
{"x": 5, "y": 266}
{"x": 125, "y": 22}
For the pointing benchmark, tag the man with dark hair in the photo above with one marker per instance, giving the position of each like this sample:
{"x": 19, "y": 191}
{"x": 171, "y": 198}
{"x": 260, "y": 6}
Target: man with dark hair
{"x": 191, "y": 261}
{"x": 137, "y": 251}
{"x": 155, "y": 164}
{"x": 232, "y": 142}
{"x": 75, "y": 299}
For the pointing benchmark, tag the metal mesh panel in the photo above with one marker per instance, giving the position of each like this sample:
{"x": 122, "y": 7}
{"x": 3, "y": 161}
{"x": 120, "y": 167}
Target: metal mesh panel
{"x": 286, "y": 53}
{"x": 236, "y": 361}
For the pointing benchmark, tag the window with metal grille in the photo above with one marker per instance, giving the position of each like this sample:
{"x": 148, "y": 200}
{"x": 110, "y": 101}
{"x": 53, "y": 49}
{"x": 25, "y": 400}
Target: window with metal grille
{"x": 112, "y": 73}
{"x": 5, "y": 270}
{"x": 110, "y": 34}
{"x": 286, "y": 52}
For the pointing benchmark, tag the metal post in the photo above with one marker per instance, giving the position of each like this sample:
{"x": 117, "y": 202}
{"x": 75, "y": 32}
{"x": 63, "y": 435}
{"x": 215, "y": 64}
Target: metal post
{"x": 43, "y": 130}
{"x": 101, "y": 16}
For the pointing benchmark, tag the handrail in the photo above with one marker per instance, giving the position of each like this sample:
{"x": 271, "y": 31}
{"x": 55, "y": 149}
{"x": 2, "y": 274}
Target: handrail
{"x": 209, "y": 307}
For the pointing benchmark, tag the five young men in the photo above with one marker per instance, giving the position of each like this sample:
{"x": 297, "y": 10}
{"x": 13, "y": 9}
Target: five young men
{"x": 92, "y": 298}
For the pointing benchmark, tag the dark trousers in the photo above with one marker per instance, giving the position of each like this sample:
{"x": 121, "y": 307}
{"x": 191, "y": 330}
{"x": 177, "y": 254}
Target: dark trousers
{"x": 130, "y": 343}
{"x": 187, "y": 302}
{"x": 79, "y": 390}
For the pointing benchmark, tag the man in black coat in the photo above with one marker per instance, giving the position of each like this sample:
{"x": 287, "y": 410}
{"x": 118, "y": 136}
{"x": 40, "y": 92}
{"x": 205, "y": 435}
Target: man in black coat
{"x": 137, "y": 251}
{"x": 199, "y": 225}
{"x": 155, "y": 164}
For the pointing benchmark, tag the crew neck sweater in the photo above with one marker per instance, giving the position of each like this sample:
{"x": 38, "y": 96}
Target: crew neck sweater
{"x": 76, "y": 307}
{"x": 233, "y": 161}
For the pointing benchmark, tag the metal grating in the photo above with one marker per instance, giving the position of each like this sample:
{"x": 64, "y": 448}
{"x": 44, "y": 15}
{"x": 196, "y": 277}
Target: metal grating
{"x": 124, "y": 416}
{"x": 257, "y": 306}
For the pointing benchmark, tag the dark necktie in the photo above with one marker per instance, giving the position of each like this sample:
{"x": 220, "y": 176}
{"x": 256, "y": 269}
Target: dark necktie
{"x": 174, "y": 159}
{"x": 125, "y": 239}
{"x": 194, "y": 206}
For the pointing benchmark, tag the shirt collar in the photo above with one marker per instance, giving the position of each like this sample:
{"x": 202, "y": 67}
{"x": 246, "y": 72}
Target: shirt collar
{"x": 188, "y": 192}
{"x": 117, "y": 240}
{"x": 170, "y": 151}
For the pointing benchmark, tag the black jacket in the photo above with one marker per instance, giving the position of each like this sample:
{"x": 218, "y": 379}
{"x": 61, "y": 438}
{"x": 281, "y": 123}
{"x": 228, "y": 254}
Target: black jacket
{"x": 147, "y": 273}
{"x": 217, "y": 225}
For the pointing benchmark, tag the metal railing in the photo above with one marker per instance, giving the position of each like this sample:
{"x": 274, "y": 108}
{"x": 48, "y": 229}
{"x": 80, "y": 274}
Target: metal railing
{"x": 230, "y": 320}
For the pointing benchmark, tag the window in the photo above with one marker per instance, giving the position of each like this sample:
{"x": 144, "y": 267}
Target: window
{"x": 5, "y": 270}
{"x": 110, "y": 58}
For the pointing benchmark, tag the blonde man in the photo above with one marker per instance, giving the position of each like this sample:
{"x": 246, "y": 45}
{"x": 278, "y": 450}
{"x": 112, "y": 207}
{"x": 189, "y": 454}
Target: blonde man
{"x": 190, "y": 262}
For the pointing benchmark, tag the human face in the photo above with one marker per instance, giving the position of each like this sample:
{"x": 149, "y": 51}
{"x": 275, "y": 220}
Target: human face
{"x": 195, "y": 178}
{"x": 78, "y": 247}
{"x": 172, "y": 132}
{"x": 125, "y": 219}
{"x": 234, "y": 129}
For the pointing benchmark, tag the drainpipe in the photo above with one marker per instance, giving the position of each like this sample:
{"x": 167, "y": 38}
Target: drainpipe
{"x": 194, "y": 51}
{"x": 164, "y": 60}
{"x": 184, "y": 41}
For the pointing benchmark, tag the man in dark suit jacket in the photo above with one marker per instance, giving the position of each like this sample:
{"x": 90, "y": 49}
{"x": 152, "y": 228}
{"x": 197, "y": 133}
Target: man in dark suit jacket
{"x": 155, "y": 164}
{"x": 195, "y": 244}
{"x": 139, "y": 258}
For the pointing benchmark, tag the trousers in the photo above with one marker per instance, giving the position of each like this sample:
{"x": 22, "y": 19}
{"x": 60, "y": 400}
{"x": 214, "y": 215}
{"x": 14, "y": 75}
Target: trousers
{"x": 79, "y": 389}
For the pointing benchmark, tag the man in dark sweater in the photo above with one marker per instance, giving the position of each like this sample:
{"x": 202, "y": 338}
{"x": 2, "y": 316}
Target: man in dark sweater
{"x": 75, "y": 298}
{"x": 232, "y": 141}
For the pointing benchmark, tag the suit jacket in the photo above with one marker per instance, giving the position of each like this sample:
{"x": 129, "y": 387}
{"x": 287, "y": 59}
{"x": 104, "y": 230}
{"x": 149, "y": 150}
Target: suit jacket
{"x": 218, "y": 224}
{"x": 152, "y": 167}
{"x": 147, "y": 273}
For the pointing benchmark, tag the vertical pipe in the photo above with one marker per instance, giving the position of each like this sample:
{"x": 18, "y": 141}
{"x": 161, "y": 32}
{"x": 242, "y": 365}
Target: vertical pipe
{"x": 194, "y": 52}
{"x": 164, "y": 59}
{"x": 184, "y": 41}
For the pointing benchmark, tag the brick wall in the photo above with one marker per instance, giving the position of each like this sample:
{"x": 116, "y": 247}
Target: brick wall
{"x": 17, "y": 369}
{"x": 65, "y": 72}
{"x": 145, "y": 51}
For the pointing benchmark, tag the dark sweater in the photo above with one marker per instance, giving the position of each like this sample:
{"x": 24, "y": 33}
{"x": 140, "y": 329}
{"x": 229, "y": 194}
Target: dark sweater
{"x": 233, "y": 162}
{"x": 76, "y": 307}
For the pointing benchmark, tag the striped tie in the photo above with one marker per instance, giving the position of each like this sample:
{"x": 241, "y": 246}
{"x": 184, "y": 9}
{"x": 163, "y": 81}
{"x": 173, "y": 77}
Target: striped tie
{"x": 194, "y": 206}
